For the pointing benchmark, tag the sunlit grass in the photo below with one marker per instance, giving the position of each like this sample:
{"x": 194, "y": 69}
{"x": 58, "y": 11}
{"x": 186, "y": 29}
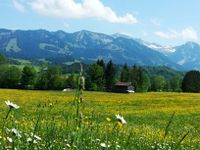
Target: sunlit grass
{"x": 146, "y": 114}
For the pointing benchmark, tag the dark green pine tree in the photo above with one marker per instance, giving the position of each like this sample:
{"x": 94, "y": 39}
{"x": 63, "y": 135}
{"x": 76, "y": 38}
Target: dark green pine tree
{"x": 109, "y": 76}
{"x": 191, "y": 82}
{"x": 95, "y": 78}
{"x": 139, "y": 80}
{"x": 125, "y": 74}
{"x": 135, "y": 76}
{"x": 101, "y": 63}
{"x": 144, "y": 84}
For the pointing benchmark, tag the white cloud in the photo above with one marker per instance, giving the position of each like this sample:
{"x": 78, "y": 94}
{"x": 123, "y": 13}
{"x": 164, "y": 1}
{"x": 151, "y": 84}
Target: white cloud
{"x": 155, "y": 21}
{"x": 172, "y": 34}
{"x": 83, "y": 9}
{"x": 18, "y": 6}
{"x": 187, "y": 34}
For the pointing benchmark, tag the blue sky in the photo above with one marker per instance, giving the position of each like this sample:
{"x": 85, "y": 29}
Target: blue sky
{"x": 166, "y": 22}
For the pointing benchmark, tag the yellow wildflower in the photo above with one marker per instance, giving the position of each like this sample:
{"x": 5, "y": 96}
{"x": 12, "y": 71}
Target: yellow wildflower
{"x": 119, "y": 124}
{"x": 108, "y": 119}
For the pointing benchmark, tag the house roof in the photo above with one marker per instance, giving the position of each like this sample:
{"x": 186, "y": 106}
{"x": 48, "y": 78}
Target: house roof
{"x": 123, "y": 84}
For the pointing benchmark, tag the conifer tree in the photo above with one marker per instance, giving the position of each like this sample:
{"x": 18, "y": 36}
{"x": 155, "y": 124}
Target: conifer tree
{"x": 191, "y": 82}
{"x": 109, "y": 76}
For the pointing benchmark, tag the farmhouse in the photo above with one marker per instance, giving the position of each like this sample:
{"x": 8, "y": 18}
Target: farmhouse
{"x": 123, "y": 88}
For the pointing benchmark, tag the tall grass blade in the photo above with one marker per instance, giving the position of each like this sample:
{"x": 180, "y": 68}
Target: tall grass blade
{"x": 168, "y": 125}
{"x": 181, "y": 140}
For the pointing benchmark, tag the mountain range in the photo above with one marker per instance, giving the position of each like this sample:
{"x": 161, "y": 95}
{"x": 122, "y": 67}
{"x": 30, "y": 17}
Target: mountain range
{"x": 87, "y": 46}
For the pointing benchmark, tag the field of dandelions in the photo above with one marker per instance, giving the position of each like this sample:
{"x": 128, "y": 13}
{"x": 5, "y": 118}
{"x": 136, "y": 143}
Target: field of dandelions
{"x": 76, "y": 120}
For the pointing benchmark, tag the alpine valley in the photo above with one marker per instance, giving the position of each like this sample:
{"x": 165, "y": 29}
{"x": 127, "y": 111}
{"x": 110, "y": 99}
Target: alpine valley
{"x": 88, "y": 46}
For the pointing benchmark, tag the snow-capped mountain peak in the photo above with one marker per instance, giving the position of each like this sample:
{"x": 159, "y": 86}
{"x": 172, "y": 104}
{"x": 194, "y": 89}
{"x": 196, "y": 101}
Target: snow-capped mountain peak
{"x": 166, "y": 50}
{"x": 123, "y": 35}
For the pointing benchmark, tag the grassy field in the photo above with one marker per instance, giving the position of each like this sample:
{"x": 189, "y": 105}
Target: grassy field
{"x": 154, "y": 120}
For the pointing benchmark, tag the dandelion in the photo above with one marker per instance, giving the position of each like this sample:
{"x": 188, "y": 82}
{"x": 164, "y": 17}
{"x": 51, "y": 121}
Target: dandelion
{"x": 11, "y": 104}
{"x": 120, "y": 119}
{"x": 104, "y": 145}
{"x": 77, "y": 128}
{"x": 50, "y": 104}
{"x": 119, "y": 124}
{"x": 87, "y": 123}
{"x": 108, "y": 119}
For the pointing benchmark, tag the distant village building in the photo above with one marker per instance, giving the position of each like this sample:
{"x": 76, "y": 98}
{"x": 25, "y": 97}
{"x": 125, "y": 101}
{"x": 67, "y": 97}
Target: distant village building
{"x": 123, "y": 88}
{"x": 67, "y": 90}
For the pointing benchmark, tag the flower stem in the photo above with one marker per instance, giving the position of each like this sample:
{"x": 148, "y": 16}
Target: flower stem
{"x": 3, "y": 126}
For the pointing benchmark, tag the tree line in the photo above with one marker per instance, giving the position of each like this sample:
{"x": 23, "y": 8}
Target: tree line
{"x": 99, "y": 76}
{"x": 102, "y": 77}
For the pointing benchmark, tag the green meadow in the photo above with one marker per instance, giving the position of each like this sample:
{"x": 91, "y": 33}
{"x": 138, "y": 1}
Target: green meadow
{"x": 54, "y": 120}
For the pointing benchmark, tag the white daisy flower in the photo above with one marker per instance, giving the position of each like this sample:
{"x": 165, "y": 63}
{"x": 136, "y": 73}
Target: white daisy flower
{"x": 120, "y": 119}
{"x": 98, "y": 140}
{"x": 9, "y": 139}
{"x": 16, "y": 132}
{"x": 11, "y": 104}
{"x": 7, "y": 130}
{"x": 35, "y": 142}
{"x": 68, "y": 145}
{"x": 37, "y": 137}
{"x": 104, "y": 145}
{"x": 29, "y": 140}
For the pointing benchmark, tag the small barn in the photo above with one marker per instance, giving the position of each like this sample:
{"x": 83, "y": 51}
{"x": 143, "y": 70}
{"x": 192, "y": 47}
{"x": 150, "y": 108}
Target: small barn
{"x": 122, "y": 87}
